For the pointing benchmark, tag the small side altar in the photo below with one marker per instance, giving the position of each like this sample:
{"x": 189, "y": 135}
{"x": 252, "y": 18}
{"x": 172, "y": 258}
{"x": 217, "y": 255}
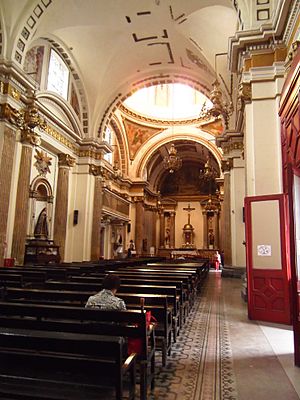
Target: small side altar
{"x": 188, "y": 231}
{"x": 41, "y": 252}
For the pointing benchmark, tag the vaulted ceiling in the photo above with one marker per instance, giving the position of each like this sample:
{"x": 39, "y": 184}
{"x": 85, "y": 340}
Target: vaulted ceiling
{"x": 116, "y": 45}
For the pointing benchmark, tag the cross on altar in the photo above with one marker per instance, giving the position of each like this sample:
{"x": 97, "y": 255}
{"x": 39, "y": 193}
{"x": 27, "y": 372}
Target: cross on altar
{"x": 189, "y": 209}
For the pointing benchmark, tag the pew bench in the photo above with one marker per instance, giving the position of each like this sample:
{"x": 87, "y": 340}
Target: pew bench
{"x": 64, "y": 360}
{"x": 128, "y": 324}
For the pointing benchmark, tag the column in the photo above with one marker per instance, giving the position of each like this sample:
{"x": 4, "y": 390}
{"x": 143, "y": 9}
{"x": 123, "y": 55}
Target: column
{"x": 172, "y": 230}
{"x": 153, "y": 241}
{"x": 28, "y": 139}
{"x": 97, "y": 211}
{"x": 226, "y": 166}
{"x": 65, "y": 162}
{"x": 233, "y": 167}
{"x": 161, "y": 228}
{"x": 6, "y": 168}
{"x": 205, "y": 233}
{"x": 216, "y": 229}
{"x": 139, "y": 225}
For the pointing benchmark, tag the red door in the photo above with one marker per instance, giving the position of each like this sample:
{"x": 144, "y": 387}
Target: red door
{"x": 267, "y": 259}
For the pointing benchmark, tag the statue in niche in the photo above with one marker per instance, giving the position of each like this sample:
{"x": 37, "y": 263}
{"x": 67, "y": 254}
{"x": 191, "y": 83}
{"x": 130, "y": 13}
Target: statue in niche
{"x": 211, "y": 238}
{"x": 167, "y": 238}
{"x": 41, "y": 230}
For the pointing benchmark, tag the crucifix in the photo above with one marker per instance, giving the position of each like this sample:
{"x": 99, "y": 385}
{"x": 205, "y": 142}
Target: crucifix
{"x": 189, "y": 209}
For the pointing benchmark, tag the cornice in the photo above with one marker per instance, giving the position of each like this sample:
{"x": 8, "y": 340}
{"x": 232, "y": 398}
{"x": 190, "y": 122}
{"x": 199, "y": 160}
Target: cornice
{"x": 232, "y": 144}
{"x": 143, "y": 120}
{"x": 258, "y": 39}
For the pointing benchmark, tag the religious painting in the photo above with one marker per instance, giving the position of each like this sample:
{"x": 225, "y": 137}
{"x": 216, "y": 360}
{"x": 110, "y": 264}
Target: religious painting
{"x": 137, "y": 135}
{"x": 216, "y": 128}
{"x": 33, "y": 63}
{"x": 74, "y": 101}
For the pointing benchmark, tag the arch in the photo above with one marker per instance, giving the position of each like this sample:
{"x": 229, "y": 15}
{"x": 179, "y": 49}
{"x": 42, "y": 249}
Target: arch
{"x": 31, "y": 19}
{"x": 68, "y": 116}
{"x": 156, "y": 144}
{"x": 46, "y": 187}
{"x": 122, "y": 145}
{"x": 74, "y": 71}
{"x": 147, "y": 82}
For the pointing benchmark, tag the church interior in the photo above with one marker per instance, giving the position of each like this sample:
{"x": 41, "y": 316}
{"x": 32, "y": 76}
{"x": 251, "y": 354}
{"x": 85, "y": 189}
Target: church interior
{"x": 141, "y": 132}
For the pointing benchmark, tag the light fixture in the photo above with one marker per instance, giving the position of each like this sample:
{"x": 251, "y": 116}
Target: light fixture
{"x": 220, "y": 106}
{"x": 207, "y": 173}
{"x": 172, "y": 162}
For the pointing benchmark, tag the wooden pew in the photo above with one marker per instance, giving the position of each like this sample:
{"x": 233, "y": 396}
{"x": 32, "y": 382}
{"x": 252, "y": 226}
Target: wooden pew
{"x": 64, "y": 359}
{"x": 158, "y": 304}
{"x": 28, "y": 276}
{"x": 169, "y": 291}
{"x": 130, "y": 324}
{"x": 182, "y": 289}
{"x": 7, "y": 279}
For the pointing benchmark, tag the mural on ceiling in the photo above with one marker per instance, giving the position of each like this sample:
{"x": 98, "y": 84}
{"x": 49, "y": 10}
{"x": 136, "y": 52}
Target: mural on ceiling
{"x": 186, "y": 181}
{"x": 216, "y": 128}
{"x": 137, "y": 135}
{"x": 34, "y": 62}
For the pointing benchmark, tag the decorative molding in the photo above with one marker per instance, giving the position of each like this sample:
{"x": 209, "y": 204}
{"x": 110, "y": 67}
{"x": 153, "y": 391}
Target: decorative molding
{"x": 43, "y": 162}
{"x": 29, "y": 137}
{"x": 244, "y": 95}
{"x": 65, "y": 160}
{"x": 97, "y": 170}
{"x": 291, "y": 55}
{"x": 7, "y": 88}
{"x": 160, "y": 122}
{"x": 227, "y": 165}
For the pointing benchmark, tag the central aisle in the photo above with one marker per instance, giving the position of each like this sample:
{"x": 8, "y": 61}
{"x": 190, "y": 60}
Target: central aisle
{"x": 220, "y": 355}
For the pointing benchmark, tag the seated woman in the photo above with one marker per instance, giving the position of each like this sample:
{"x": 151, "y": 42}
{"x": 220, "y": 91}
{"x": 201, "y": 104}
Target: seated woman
{"x": 106, "y": 299}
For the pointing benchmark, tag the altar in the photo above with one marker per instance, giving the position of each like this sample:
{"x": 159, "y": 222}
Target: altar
{"x": 185, "y": 253}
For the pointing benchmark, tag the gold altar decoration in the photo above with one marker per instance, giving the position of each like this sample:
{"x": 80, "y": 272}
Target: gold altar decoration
{"x": 188, "y": 230}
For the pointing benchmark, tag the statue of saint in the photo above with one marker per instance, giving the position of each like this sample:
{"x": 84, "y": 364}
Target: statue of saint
{"x": 41, "y": 230}
{"x": 211, "y": 238}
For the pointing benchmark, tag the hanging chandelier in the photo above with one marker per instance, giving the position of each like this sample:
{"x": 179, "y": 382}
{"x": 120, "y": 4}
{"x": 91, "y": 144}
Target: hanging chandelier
{"x": 208, "y": 173}
{"x": 220, "y": 107}
{"x": 172, "y": 162}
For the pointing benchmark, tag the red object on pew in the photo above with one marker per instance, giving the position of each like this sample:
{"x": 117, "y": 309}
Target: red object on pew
{"x": 9, "y": 262}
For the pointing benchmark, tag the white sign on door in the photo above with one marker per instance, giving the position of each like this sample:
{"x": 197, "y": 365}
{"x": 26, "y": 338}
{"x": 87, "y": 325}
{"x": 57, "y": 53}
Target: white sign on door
{"x": 264, "y": 250}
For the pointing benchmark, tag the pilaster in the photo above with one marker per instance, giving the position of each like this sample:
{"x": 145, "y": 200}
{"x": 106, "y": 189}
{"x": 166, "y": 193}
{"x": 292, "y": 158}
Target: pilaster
{"x": 7, "y": 150}
{"x": 139, "y": 224}
{"x": 29, "y": 139}
{"x": 98, "y": 173}
{"x": 65, "y": 162}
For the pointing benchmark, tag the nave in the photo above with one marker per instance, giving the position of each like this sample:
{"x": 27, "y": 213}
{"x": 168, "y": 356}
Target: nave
{"x": 221, "y": 355}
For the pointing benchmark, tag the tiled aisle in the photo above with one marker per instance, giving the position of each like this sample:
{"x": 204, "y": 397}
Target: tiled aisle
{"x": 262, "y": 353}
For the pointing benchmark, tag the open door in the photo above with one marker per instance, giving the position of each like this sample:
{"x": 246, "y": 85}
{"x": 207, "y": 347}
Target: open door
{"x": 289, "y": 113}
{"x": 267, "y": 259}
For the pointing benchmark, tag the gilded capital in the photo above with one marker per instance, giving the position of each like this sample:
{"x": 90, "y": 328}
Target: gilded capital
{"x": 65, "y": 160}
{"x": 96, "y": 170}
{"x": 227, "y": 165}
{"x": 244, "y": 95}
{"x": 30, "y": 137}
{"x": 8, "y": 113}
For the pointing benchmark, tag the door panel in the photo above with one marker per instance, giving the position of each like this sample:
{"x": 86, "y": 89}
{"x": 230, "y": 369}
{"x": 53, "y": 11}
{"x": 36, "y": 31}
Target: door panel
{"x": 267, "y": 268}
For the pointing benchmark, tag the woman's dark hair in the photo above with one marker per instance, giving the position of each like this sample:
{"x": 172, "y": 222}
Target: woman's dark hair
{"x": 111, "y": 282}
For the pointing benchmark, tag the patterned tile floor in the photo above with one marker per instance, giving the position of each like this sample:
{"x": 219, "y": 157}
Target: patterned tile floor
{"x": 221, "y": 355}
{"x": 200, "y": 367}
